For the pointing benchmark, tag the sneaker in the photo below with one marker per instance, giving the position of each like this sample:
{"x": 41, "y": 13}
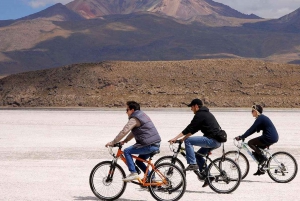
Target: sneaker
{"x": 259, "y": 172}
{"x": 206, "y": 181}
{"x": 191, "y": 167}
{"x": 132, "y": 176}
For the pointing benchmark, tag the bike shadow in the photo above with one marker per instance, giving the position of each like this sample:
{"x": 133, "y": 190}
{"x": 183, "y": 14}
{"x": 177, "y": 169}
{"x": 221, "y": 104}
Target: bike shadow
{"x": 94, "y": 198}
{"x": 189, "y": 191}
{"x": 251, "y": 181}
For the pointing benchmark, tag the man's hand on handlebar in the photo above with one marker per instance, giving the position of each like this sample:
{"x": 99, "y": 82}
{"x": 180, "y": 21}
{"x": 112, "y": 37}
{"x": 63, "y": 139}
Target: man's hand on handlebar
{"x": 109, "y": 144}
{"x": 238, "y": 138}
{"x": 175, "y": 141}
{"x": 172, "y": 140}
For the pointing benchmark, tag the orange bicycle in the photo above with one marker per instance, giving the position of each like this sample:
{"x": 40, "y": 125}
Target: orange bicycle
{"x": 107, "y": 184}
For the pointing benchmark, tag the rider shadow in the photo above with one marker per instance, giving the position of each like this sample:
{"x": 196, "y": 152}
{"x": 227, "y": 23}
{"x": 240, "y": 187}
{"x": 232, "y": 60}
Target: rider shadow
{"x": 94, "y": 198}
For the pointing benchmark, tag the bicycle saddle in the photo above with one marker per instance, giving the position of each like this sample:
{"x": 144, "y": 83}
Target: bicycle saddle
{"x": 155, "y": 152}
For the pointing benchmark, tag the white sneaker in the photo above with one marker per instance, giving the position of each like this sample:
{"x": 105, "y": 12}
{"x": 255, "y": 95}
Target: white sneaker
{"x": 132, "y": 176}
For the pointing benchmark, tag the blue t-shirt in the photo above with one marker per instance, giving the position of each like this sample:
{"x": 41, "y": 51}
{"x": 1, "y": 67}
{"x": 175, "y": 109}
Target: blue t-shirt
{"x": 263, "y": 123}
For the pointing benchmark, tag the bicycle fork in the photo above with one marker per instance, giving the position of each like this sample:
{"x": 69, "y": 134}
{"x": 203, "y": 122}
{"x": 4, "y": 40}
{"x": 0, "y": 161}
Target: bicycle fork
{"x": 111, "y": 171}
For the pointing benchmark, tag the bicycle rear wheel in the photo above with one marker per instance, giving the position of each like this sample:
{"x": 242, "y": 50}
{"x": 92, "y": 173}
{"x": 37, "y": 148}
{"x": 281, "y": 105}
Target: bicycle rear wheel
{"x": 222, "y": 177}
{"x": 241, "y": 160}
{"x": 168, "y": 179}
{"x": 282, "y": 167}
{"x": 106, "y": 181}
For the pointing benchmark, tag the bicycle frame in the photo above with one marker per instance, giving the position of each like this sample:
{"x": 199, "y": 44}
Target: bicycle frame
{"x": 141, "y": 182}
{"x": 181, "y": 150}
{"x": 243, "y": 145}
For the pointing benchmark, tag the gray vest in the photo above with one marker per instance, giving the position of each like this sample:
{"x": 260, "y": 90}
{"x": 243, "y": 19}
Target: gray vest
{"x": 146, "y": 134}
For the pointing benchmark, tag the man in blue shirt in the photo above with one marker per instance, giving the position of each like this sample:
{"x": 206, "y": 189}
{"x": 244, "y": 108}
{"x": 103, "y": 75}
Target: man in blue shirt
{"x": 268, "y": 137}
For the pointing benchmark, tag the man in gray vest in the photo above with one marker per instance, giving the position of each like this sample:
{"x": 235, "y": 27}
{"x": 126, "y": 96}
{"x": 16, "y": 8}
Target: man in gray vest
{"x": 147, "y": 138}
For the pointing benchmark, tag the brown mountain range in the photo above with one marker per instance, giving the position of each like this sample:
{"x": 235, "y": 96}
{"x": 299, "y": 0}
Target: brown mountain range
{"x": 180, "y": 9}
{"x": 61, "y": 36}
{"x": 219, "y": 82}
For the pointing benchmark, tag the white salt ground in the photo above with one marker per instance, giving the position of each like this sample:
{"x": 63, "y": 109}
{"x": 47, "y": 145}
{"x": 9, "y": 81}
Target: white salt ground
{"x": 48, "y": 154}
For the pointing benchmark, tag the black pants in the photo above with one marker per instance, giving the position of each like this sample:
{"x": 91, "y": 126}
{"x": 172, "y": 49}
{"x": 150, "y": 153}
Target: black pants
{"x": 255, "y": 144}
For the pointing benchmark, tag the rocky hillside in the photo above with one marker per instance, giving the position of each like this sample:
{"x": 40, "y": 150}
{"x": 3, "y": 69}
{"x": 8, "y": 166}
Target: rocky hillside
{"x": 219, "y": 82}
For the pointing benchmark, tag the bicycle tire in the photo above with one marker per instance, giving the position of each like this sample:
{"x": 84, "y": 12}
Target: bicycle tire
{"x": 287, "y": 170}
{"x": 168, "y": 159}
{"x": 241, "y": 160}
{"x": 103, "y": 189}
{"x": 228, "y": 179}
{"x": 178, "y": 162}
{"x": 167, "y": 192}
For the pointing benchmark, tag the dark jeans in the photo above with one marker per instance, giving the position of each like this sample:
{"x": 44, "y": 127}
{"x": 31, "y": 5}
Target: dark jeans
{"x": 143, "y": 152}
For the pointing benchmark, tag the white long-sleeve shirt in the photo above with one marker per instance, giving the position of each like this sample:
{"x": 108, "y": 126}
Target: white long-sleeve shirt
{"x": 133, "y": 122}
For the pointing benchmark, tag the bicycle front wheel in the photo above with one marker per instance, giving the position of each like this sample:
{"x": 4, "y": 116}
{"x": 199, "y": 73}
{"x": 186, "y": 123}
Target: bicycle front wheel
{"x": 170, "y": 159}
{"x": 282, "y": 167}
{"x": 168, "y": 176}
{"x": 106, "y": 181}
{"x": 175, "y": 161}
{"x": 224, "y": 175}
{"x": 241, "y": 160}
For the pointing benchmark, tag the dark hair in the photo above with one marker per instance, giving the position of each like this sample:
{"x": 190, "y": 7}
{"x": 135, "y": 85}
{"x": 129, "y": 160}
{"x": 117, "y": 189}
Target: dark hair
{"x": 258, "y": 108}
{"x": 133, "y": 105}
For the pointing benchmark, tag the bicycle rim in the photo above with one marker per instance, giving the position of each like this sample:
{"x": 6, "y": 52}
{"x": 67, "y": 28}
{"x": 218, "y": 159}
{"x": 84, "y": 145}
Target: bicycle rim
{"x": 282, "y": 167}
{"x": 224, "y": 179}
{"x": 241, "y": 160}
{"x": 167, "y": 191}
{"x": 101, "y": 187}
{"x": 168, "y": 159}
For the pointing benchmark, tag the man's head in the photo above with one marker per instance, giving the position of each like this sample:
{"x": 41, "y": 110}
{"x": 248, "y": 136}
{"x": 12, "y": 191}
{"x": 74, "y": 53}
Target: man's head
{"x": 131, "y": 107}
{"x": 195, "y": 105}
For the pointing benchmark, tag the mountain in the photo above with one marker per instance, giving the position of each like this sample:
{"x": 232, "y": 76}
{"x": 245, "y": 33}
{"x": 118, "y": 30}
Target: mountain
{"x": 218, "y": 82}
{"x": 57, "y": 12}
{"x": 59, "y": 36}
{"x": 289, "y": 23}
{"x": 179, "y": 9}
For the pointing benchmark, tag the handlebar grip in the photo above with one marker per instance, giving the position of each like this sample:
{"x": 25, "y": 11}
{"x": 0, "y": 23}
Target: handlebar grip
{"x": 118, "y": 144}
{"x": 178, "y": 141}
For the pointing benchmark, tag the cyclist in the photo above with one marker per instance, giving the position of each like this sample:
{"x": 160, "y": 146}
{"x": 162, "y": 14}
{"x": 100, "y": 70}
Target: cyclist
{"x": 206, "y": 122}
{"x": 147, "y": 138}
{"x": 268, "y": 137}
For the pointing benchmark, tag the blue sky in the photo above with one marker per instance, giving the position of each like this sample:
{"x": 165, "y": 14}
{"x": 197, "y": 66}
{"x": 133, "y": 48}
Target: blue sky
{"x": 14, "y": 9}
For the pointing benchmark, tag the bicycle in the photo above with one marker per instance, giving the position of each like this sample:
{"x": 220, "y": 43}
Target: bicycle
{"x": 222, "y": 174}
{"x": 106, "y": 178}
{"x": 281, "y": 166}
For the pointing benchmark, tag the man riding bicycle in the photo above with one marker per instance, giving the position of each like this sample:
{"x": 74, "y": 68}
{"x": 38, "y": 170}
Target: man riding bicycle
{"x": 206, "y": 122}
{"x": 268, "y": 137}
{"x": 146, "y": 136}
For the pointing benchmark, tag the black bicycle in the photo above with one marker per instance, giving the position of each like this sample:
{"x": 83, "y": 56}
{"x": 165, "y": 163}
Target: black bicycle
{"x": 222, "y": 174}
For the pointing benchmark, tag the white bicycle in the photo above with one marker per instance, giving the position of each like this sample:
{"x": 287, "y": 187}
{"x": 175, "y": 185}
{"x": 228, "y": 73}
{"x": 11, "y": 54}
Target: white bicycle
{"x": 281, "y": 166}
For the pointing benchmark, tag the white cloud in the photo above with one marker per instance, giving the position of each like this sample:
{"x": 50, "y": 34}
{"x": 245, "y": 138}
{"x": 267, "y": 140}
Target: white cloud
{"x": 263, "y": 8}
{"x": 43, "y": 3}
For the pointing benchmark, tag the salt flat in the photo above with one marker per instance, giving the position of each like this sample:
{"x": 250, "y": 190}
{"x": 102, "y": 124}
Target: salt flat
{"x": 47, "y": 154}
